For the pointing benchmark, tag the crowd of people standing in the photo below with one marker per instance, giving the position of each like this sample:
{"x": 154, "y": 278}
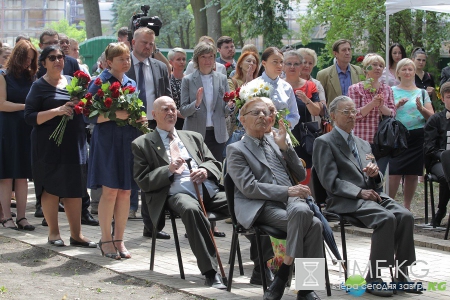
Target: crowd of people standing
{"x": 33, "y": 100}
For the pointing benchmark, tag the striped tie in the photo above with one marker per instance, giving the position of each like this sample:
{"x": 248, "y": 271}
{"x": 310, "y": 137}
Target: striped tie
{"x": 352, "y": 145}
{"x": 275, "y": 164}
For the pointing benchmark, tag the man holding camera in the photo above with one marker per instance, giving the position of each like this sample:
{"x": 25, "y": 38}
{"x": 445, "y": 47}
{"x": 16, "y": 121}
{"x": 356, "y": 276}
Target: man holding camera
{"x": 152, "y": 80}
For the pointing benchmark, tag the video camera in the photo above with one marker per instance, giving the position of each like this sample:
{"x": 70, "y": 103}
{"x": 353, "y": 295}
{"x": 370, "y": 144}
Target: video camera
{"x": 141, "y": 20}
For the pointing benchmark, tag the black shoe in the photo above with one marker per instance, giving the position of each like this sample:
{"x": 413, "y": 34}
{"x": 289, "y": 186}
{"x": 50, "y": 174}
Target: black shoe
{"x": 39, "y": 213}
{"x": 275, "y": 290}
{"x": 215, "y": 282}
{"x": 412, "y": 287}
{"x": 56, "y": 243}
{"x": 440, "y": 214}
{"x": 61, "y": 207}
{"x": 44, "y": 222}
{"x": 82, "y": 244}
{"x": 310, "y": 296}
{"x": 88, "y": 219}
{"x": 377, "y": 291}
{"x": 160, "y": 235}
{"x": 219, "y": 234}
{"x": 256, "y": 276}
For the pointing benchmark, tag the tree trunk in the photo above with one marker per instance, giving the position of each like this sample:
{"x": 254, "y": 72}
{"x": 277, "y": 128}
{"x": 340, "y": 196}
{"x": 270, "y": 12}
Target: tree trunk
{"x": 93, "y": 20}
{"x": 214, "y": 20}
{"x": 201, "y": 26}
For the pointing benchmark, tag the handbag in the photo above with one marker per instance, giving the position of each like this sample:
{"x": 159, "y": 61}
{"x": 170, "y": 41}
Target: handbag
{"x": 325, "y": 121}
{"x": 309, "y": 131}
{"x": 390, "y": 138}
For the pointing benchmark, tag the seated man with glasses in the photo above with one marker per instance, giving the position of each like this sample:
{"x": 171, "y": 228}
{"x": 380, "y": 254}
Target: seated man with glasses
{"x": 347, "y": 170}
{"x": 266, "y": 192}
{"x": 49, "y": 38}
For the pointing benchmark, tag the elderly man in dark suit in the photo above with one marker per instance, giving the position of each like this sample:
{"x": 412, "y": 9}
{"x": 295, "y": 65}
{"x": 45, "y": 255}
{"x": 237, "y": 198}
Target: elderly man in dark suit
{"x": 337, "y": 78}
{"x": 162, "y": 174}
{"x": 265, "y": 193}
{"x": 152, "y": 79}
{"x": 347, "y": 170}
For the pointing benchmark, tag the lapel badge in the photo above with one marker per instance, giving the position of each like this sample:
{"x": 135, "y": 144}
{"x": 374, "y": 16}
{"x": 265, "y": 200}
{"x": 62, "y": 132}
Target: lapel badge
{"x": 159, "y": 148}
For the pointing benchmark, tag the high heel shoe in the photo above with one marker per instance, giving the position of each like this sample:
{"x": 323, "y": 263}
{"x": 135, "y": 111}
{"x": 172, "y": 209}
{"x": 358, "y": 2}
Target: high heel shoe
{"x": 124, "y": 254}
{"x": 109, "y": 255}
{"x": 10, "y": 227}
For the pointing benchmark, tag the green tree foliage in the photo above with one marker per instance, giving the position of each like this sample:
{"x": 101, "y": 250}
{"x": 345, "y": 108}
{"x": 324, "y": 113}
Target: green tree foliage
{"x": 176, "y": 16}
{"x": 363, "y": 22}
{"x": 77, "y": 32}
{"x": 259, "y": 18}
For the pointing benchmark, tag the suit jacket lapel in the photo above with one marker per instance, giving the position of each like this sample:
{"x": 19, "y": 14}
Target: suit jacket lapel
{"x": 334, "y": 78}
{"x": 190, "y": 147}
{"x": 158, "y": 145}
{"x": 354, "y": 75}
{"x": 152, "y": 66}
{"x": 198, "y": 84}
{"x": 255, "y": 150}
{"x": 343, "y": 146}
{"x": 216, "y": 85}
{"x": 131, "y": 73}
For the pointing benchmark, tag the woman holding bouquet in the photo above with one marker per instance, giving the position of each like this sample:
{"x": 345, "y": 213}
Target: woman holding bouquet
{"x": 283, "y": 95}
{"x": 15, "y": 145}
{"x": 110, "y": 159}
{"x": 58, "y": 171}
{"x": 202, "y": 102}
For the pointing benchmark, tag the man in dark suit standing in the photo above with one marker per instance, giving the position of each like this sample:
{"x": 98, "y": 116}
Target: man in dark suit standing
{"x": 48, "y": 38}
{"x": 152, "y": 81}
{"x": 162, "y": 174}
{"x": 347, "y": 170}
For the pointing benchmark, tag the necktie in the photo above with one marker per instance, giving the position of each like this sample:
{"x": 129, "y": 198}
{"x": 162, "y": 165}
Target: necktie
{"x": 141, "y": 85}
{"x": 175, "y": 151}
{"x": 352, "y": 145}
{"x": 278, "y": 170}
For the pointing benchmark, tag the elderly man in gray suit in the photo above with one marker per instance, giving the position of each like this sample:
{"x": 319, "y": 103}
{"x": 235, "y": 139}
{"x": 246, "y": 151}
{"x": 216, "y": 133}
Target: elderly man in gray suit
{"x": 152, "y": 80}
{"x": 347, "y": 170}
{"x": 265, "y": 192}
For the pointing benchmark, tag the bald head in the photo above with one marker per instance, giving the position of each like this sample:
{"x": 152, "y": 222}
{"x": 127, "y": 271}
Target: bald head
{"x": 165, "y": 113}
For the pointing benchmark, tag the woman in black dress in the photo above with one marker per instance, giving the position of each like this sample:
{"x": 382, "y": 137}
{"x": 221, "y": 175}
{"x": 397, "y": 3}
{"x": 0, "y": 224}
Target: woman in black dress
{"x": 15, "y": 145}
{"x": 58, "y": 171}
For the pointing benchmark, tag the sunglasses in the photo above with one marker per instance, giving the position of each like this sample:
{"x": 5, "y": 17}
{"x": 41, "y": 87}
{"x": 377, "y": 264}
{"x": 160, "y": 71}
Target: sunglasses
{"x": 54, "y": 57}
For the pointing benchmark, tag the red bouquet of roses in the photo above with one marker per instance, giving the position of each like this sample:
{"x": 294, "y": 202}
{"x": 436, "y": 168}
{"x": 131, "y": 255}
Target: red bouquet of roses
{"x": 76, "y": 89}
{"x": 110, "y": 98}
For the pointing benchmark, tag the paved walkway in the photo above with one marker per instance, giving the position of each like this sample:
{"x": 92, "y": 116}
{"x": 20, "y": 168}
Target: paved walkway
{"x": 166, "y": 266}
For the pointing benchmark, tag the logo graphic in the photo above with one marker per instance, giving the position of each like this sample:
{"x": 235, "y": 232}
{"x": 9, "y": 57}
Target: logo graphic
{"x": 355, "y": 285}
{"x": 310, "y": 274}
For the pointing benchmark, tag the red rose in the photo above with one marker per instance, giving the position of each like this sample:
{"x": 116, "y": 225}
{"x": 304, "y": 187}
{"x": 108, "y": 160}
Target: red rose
{"x": 88, "y": 96}
{"x": 89, "y": 102}
{"x": 108, "y": 102}
{"x": 81, "y": 104}
{"x": 131, "y": 89}
{"x": 115, "y": 86}
{"x": 360, "y": 59}
{"x": 227, "y": 65}
{"x": 77, "y": 73}
{"x": 100, "y": 93}
{"x": 78, "y": 109}
{"x": 98, "y": 81}
{"x": 115, "y": 94}
{"x": 237, "y": 92}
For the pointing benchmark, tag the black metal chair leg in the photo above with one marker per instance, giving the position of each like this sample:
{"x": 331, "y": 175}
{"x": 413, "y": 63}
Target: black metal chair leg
{"x": 177, "y": 244}
{"x": 261, "y": 260}
{"x": 425, "y": 185}
{"x": 327, "y": 276}
{"x": 344, "y": 246}
{"x": 241, "y": 266}
{"x": 152, "y": 253}
{"x": 433, "y": 214}
{"x": 234, "y": 243}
